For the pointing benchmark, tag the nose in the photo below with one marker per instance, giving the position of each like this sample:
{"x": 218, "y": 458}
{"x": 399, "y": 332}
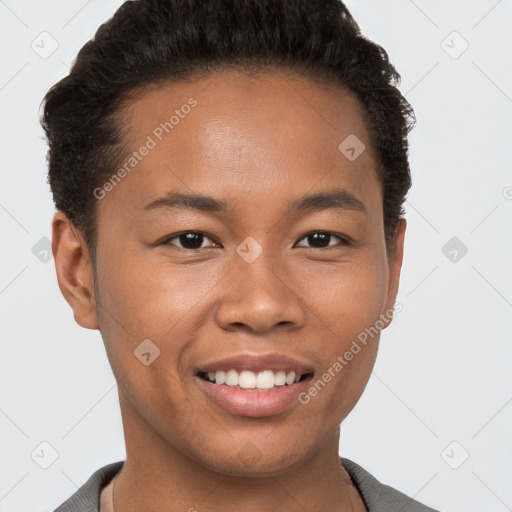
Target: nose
{"x": 259, "y": 297}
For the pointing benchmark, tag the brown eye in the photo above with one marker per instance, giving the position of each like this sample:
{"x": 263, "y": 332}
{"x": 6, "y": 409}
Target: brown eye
{"x": 190, "y": 240}
{"x": 321, "y": 239}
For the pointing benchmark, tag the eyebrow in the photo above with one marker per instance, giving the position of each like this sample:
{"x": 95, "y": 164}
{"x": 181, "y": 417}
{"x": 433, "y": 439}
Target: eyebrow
{"x": 335, "y": 199}
{"x": 180, "y": 201}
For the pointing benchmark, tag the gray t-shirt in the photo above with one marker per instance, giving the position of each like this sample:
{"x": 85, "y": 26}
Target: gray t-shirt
{"x": 377, "y": 497}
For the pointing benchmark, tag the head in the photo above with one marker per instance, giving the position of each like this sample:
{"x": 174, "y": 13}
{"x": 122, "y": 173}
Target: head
{"x": 287, "y": 122}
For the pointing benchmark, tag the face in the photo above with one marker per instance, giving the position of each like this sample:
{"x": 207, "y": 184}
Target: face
{"x": 283, "y": 255}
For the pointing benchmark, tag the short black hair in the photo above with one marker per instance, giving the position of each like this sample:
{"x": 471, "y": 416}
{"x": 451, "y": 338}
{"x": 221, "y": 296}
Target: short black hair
{"x": 160, "y": 41}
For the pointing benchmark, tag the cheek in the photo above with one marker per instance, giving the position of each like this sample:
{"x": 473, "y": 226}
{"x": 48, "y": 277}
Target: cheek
{"x": 150, "y": 300}
{"x": 349, "y": 297}
{"x": 349, "y": 304}
{"x": 147, "y": 321}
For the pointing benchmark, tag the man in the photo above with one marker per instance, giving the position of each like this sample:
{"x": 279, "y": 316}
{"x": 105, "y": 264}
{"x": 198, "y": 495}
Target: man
{"x": 229, "y": 178}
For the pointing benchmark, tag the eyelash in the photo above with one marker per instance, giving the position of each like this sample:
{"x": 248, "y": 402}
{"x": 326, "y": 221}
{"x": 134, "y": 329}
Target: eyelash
{"x": 343, "y": 240}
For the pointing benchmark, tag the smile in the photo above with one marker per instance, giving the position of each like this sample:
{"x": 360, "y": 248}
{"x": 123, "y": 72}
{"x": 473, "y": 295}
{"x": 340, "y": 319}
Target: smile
{"x": 264, "y": 380}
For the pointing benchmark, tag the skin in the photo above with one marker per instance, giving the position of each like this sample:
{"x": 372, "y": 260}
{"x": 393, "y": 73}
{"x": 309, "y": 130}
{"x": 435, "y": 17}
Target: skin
{"x": 257, "y": 143}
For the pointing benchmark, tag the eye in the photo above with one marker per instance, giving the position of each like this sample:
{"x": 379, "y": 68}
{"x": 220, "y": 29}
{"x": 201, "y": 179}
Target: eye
{"x": 194, "y": 240}
{"x": 321, "y": 239}
{"x": 189, "y": 240}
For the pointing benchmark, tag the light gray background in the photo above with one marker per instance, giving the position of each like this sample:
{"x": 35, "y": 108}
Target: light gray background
{"x": 444, "y": 367}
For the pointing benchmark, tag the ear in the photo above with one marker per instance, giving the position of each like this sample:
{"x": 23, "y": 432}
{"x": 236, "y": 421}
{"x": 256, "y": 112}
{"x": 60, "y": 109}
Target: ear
{"x": 395, "y": 266}
{"x": 74, "y": 270}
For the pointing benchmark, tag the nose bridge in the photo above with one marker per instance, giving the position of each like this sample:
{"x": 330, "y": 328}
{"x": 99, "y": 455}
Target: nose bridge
{"x": 258, "y": 295}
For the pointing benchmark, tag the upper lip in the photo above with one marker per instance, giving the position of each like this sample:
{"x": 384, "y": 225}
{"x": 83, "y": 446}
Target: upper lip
{"x": 257, "y": 363}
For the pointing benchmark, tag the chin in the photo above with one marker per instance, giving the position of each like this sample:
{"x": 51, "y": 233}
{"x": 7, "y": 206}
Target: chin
{"x": 249, "y": 461}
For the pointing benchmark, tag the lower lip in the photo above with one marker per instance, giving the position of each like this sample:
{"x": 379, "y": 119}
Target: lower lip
{"x": 254, "y": 403}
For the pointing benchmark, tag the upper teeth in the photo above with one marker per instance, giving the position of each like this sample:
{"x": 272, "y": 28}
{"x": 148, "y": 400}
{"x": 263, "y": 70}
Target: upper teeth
{"x": 246, "y": 379}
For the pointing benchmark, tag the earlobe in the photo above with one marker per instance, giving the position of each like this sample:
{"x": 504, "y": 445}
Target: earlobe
{"x": 74, "y": 271}
{"x": 395, "y": 267}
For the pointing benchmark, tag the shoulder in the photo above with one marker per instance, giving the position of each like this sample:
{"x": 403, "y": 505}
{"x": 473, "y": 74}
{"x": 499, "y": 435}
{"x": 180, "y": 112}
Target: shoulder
{"x": 379, "y": 497}
{"x": 87, "y": 497}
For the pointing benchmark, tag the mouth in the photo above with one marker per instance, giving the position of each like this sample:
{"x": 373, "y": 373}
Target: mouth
{"x": 265, "y": 380}
{"x": 254, "y": 385}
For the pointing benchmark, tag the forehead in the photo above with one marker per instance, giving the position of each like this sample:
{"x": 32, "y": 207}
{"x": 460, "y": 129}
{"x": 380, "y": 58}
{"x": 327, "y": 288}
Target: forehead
{"x": 228, "y": 134}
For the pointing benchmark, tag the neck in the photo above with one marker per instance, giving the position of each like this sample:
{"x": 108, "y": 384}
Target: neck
{"x": 158, "y": 476}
